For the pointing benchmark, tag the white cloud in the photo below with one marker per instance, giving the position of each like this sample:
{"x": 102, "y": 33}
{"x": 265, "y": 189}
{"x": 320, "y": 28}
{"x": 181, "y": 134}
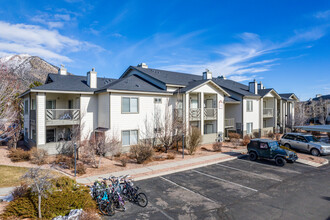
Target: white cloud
{"x": 35, "y": 40}
{"x": 239, "y": 59}
{"x": 323, "y": 14}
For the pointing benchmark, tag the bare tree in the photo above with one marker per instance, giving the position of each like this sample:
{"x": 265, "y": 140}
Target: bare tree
{"x": 40, "y": 182}
{"x": 165, "y": 127}
{"x": 300, "y": 114}
{"x": 10, "y": 108}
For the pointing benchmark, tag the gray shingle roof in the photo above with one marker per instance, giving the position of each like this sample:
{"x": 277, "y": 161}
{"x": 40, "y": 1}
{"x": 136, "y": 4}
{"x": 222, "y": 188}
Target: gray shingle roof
{"x": 264, "y": 92}
{"x": 133, "y": 83}
{"x": 177, "y": 78}
{"x": 169, "y": 77}
{"x": 286, "y": 95}
{"x": 192, "y": 85}
{"x": 231, "y": 99}
{"x": 71, "y": 83}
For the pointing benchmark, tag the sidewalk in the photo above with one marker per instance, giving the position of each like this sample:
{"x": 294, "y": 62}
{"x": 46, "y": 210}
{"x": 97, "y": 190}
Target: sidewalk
{"x": 164, "y": 169}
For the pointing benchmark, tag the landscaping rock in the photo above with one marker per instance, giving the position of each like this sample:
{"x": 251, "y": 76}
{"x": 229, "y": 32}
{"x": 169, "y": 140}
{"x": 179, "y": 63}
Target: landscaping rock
{"x": 73, "y": 215}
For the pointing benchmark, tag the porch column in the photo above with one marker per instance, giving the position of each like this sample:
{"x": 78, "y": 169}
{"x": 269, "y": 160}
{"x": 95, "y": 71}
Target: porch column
{"x": 284, "y": 116}
{"x": 41, "y": 118}
{"x": 281, "y": 116}
{"x": 292, "y": 113}
{"x": 187, "y": 109}
{"x": 202, "y": 112}
{"x": 275, "y": 115}
{"x": 261, "y": 116}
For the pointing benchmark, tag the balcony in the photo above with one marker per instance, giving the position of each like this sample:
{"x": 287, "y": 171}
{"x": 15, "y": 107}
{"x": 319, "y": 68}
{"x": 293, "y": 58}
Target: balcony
{"x": 268, "y": 113}
{"x": 194, "y": 114}
{"x": 230, "y": 123}
{"x": 210, "y": 113}
{"x": 55, "y": 117}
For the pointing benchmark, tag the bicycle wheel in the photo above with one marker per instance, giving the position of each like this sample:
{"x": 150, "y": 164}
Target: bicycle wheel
{"x": 142, "y": 199}
{"x": 107, "y": 208}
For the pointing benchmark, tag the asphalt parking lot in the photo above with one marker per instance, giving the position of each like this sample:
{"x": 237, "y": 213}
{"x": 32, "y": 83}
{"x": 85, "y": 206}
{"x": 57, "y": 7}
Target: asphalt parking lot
{"x": 237, "y": 189}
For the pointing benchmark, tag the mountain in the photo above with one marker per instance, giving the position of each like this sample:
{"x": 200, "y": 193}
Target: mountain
{"x": 26, "y": 69}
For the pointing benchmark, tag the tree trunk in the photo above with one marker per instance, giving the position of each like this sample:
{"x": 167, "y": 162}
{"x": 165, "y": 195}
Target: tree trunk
{"x": 39, "y": 206}
{"x": 99, "y": 161}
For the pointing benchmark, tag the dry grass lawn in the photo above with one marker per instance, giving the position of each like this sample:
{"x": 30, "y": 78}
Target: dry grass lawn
{"x": 10, "y": 176}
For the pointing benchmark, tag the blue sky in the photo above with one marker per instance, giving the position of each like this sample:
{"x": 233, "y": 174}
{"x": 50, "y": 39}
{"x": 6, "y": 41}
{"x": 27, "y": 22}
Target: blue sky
{"x": 285, "y": 44}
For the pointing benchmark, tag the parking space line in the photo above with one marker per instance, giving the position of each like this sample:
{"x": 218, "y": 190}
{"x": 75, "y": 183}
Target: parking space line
{"x": 223, "y": 180}
{"x": 269, "y": 166}
{"x": 244, "y": 171}
{"x": 170, "y": 181}
{"x": 161, "y": 211}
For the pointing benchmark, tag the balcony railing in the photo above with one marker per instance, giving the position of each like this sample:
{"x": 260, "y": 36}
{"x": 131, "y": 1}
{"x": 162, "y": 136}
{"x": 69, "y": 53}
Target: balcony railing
{"x": 230, "y": 123}
{"x": 62, "y": 116}
{"x": 194, "y": 114}
{"x": 268, "y": 112}
{"x": 210, "y": 113}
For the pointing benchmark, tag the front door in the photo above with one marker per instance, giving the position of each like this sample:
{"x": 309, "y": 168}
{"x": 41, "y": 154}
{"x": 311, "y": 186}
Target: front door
{"x": 209, "y": 103}
{"x": 209, "y": 129}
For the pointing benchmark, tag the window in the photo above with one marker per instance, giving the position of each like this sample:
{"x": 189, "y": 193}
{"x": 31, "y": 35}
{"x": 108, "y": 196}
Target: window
{"x": 249, "y": 128}
{"x": 129, "y": 137}
{"x": 33, "y": 134}
{"x": 194, "y": 103}
{"x": 26, "y": 107}
{"x": 129, "y": 105}
{"x": 263, "y": 145}
{"x": 157, "y": 100}
{"x": 300, "y": 139}
{"x": 249, "y": 106}
{"x": 70, "y": 104}
{"x": 50, "y": 104}
{"x": 50, "y": 135}
{"x": 289, "y": 136}
{"x": 33, "y": 104}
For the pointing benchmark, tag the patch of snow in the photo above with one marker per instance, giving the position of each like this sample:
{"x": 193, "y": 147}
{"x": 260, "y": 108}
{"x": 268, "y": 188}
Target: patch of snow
{"x": 73, "y": 215}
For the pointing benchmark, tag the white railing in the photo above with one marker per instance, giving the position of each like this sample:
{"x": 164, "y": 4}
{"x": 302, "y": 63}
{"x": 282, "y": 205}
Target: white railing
{"x": 195, "y": 114}
{"x": 268, "y": 112}
{"x": 210, "y": 113}
{"x": 63, "y": 114}
{"x": 229, "y": 122}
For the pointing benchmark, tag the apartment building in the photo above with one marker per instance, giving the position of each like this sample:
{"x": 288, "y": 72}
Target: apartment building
{"x": 142, "y": 96}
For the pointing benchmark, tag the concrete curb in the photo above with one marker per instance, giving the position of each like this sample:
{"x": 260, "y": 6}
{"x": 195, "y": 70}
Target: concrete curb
{"x": 149, "y": 171}
{"x": 311, "y": 163}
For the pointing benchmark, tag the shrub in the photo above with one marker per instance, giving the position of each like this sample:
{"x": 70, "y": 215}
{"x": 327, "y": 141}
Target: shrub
{"x": 38, "y": 156}
{"x": 278, "y": 136}
{"x": 233, "y": 135}
{"x": 17, "y": 155}
{"x": 246, "y": 140}
{"x": 20, "y": 191}
{"x": 256, "y": 134}
{"x": 141, "y": 152}
{"x": 123, "y": 160}
{"x": 81, "y": 169}
{"x": 217, "y": 146}
{"x": 65, "y": 162}
{"x": 235, "y": 142}
{"x": 193, "y": 140}
{"x": 65, "y": 195}
{"x": 271, "y": 135}
{"x": 170, "y": 156}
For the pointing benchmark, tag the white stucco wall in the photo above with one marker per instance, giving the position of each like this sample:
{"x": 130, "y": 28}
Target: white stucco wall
{"x": 104, "y": 110}
{"x": 88, "y": 114}
{"x": 253, "y": 116}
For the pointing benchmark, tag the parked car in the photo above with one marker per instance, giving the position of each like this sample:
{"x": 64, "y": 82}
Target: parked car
{"x": 305, "y": 142}
{"x": 270, "y": 149}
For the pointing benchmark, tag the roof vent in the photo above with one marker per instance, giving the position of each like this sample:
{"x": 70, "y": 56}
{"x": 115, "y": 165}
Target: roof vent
{"x": 143, "y": 65}
{"x": 222, "y": 77}
{"x": 137, "y": 85}
{"x": 318, "y": 95}
{"x": 62, "y": 70}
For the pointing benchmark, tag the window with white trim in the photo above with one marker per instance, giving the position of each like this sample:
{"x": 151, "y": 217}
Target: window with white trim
{"x": 249, "y": 106}
{"x": 249, "y": 128}
{"x": 129, "y": 137}
{"x": 33, "y": 104}
{"x": 26, "y": 107}
{"x": 129, "y": 105}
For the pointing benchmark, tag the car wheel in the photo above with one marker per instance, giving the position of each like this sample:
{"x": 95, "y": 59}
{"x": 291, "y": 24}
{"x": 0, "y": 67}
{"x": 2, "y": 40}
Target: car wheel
{"x": 315, "y": 152}
{"x": 253, "y": 156}
{"x": 287, "y": 146}
{"x": 280, "y": 161}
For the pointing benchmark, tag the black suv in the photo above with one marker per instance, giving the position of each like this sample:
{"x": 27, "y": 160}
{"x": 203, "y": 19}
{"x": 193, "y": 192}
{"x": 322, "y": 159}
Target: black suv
{"x": 269, "y": 149}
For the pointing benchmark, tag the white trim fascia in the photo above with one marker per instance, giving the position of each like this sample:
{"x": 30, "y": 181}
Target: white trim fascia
{"x": 252, "y": 97}
{"x": 139, "y": 92}
{"x": 174, "y": 85}
{"x": 238, "y": 102}
{"x": 209, "y": 81}
{"x": 60, "y": 91}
